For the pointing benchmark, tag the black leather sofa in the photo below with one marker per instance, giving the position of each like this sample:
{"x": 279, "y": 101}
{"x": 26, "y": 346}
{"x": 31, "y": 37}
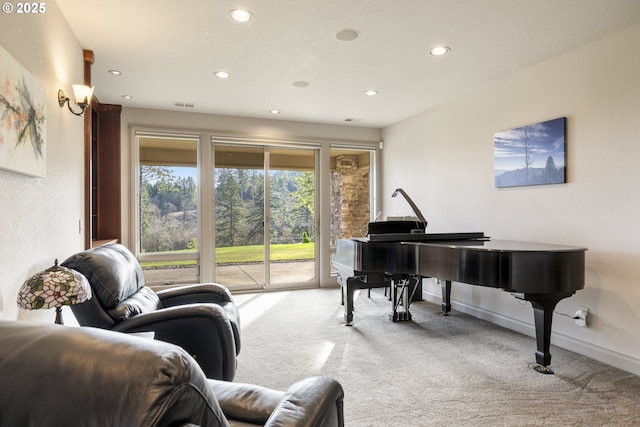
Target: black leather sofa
{"x": 53, "y": 375}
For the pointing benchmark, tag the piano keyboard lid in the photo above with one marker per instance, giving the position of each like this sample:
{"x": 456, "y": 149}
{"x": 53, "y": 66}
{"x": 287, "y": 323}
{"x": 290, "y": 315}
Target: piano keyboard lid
{"x": 425, "y": 237}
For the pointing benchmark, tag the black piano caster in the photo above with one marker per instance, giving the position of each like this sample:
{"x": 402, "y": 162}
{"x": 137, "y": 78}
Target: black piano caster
{"x": 544, "y": 370}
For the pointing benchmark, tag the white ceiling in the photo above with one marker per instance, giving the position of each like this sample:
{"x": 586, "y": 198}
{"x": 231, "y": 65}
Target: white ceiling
{"x": 167, "y": 51}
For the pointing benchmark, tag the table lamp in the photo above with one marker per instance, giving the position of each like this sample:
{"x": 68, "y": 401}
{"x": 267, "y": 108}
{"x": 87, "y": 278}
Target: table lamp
{"x": 54, "y": 287}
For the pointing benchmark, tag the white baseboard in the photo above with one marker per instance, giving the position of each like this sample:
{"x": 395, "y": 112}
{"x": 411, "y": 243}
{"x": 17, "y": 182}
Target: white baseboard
{"x": 602, "y": 354}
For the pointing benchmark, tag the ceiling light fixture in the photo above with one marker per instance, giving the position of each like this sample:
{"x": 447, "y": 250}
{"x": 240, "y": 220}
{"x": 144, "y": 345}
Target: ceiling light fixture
{"x": 301, "y": 83}
{"x": 274, "y": 111}
{"x": 439, "y": 50}
{"x": 241, "y": 15}
{"x": 222, "y": 74}
{"x": 115, "y": 72}
{"x": 127, "y": 97}
{"x": 371, "y": 92}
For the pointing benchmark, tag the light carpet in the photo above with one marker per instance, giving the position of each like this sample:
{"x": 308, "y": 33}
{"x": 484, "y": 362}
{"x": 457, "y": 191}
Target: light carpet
{"x": 435, "y": 370}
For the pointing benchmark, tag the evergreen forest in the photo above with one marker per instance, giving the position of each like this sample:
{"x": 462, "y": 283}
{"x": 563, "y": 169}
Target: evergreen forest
{"x": 169, "y": 208}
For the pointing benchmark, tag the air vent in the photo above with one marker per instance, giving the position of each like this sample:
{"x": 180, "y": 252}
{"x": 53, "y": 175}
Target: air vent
{"x": 184, "y": 104}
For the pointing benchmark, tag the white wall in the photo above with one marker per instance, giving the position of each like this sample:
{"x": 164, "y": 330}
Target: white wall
{"x": 443, "y": 158}
{"x": 39, "y": 216}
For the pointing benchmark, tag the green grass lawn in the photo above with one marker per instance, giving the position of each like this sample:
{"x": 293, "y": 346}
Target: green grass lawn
{"x": 255, "y": 253}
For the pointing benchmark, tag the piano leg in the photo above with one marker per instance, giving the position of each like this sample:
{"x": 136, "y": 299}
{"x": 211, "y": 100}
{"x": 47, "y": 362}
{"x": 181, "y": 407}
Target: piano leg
{"x": 352, "y": 284}
{"x": 446, "y": 296}
{"x": 543, "y": 306}
{"x": 373, "y": 280}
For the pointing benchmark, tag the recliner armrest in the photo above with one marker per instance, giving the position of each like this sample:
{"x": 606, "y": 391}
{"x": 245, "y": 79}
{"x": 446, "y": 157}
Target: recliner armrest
{"x": 246, "y": 402}
{"x": 212, "y": 293}
{"x": 203, "y": 330}
{"x": 188, "y": 294}
{"x": 315, "y": 401}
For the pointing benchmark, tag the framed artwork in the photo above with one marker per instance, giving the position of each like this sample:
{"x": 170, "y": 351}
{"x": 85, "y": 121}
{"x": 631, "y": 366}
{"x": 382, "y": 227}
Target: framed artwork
{"x": 531, "y": 155}
{"x": 23, "y": 104}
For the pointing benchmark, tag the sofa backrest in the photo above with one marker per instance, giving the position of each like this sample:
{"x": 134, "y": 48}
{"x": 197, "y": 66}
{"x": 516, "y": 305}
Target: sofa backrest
{"x": 55, "y": 375}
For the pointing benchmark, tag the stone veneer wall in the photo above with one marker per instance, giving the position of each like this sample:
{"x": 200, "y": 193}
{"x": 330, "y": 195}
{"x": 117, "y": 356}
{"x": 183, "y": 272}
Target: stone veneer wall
{"x": 349, "y": 198}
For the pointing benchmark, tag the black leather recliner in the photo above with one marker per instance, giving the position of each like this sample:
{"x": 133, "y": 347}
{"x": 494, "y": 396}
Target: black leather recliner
{"x": 53, "y": 375}
{"x": 202, "y": 318}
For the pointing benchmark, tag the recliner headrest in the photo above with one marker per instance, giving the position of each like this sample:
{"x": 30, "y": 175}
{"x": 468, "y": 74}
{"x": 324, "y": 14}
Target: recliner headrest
{"x": 113, "y": 272}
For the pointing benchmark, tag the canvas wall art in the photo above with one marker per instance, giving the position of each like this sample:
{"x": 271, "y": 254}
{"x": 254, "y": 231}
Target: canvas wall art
{"x": 23, "y": 104}
{"x": 535, "y": 154}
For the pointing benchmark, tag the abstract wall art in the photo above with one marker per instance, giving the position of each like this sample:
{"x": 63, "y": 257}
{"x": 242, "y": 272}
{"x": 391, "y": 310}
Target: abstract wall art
{"x": 535, "y": 154}
{"x": 23, "y": 104}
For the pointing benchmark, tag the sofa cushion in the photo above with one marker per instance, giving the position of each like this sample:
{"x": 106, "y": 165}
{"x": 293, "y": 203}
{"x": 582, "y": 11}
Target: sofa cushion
{"x": 113, "y": 272}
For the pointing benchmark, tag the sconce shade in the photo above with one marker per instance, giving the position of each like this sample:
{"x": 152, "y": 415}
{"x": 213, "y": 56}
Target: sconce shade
{"x": 81, "y": 97}
{"x": 82, "y": 94}
{"x": 53, "y": 288}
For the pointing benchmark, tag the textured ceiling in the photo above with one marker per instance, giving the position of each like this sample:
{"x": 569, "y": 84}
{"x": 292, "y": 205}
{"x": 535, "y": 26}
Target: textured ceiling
{"x": 167, "y": 51}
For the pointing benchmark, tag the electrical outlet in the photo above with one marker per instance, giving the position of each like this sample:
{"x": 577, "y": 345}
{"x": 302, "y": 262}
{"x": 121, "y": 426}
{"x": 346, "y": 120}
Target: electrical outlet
{"x": 581, "y": 317}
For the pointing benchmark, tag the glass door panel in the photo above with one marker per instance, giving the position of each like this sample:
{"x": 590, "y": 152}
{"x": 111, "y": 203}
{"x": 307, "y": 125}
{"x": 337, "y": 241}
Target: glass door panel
{"x": 239, "y": 216}
{"x": 265, "y": 202}
{"x": 292, "y": 216}
{"x": 168, "y": 209}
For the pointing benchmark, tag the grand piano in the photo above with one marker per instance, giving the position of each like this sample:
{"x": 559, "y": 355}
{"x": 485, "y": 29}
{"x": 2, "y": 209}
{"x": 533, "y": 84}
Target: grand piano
{"x": 542, "y": 274}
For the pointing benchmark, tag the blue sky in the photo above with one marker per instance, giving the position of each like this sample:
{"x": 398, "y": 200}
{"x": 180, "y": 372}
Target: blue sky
{"x": 543, "y": 139}
{"x": 184, "y": 172}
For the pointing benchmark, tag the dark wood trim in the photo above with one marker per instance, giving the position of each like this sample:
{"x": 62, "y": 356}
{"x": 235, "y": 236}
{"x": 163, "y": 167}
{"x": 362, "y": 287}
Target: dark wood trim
{"x": 101, "y": 167}
{"x": 88, "y": 62}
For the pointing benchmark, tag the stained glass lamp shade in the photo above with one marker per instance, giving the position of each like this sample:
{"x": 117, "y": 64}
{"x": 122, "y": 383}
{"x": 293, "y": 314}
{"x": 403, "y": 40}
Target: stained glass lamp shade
{"x": 54, "y": 287}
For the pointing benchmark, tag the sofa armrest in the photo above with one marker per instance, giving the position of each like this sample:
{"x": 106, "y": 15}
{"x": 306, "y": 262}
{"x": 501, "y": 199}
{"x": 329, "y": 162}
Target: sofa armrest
{"x": 200, "y": 292}
{"x": 312, "y": 402}
{"x": 315, "y": 401}
{"x": 203, "y": 330}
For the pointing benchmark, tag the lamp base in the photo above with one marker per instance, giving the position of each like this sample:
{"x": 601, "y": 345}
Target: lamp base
{"x": 59, "y": 316}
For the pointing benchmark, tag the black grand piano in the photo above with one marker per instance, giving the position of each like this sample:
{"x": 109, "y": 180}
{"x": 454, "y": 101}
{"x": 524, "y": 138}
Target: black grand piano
{"x": 542, "y": 274}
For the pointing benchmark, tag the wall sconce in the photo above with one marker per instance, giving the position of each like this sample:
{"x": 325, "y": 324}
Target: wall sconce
{"x": 81, "y": 96}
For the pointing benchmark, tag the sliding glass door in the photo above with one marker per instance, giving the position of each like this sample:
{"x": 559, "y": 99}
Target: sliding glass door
{"x": 246, "y": 213}
{"x": 265, "y": 199}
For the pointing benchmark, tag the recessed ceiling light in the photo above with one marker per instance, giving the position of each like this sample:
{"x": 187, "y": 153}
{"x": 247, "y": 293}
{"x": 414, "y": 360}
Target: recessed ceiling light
{"x": 222, "y": 74}
{"x": 115, "y": 72}
{"x": 127, "y": 97}
{"x": 274, "y": 111}
{"x": 371, "y": 92}
{"x": 241, "y": 15}
{"x": 439, "y": 50}
{"x": 301, "y": 84}
{"x": 347, "y": 35}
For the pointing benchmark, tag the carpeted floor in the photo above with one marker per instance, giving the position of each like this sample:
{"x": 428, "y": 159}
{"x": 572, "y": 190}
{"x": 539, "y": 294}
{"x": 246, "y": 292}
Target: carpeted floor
{"x": 436, "y": 370}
